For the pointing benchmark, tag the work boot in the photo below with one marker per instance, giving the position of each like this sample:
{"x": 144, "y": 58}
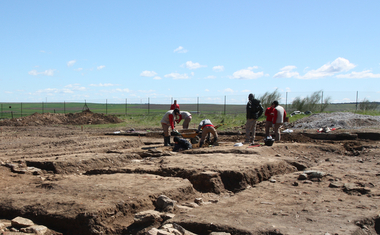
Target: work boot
{"x": 166, "y": 140}
{"x": 215, "y": 142}
{"x": 200, "y": 144}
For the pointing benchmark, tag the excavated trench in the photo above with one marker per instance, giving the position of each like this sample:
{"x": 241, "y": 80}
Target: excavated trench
{"x": 203, "y": 175}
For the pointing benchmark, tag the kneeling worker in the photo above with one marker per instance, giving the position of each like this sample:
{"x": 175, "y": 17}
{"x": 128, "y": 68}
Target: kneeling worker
{"x": 181, "y": 144}
{"x": 207, "y": 128}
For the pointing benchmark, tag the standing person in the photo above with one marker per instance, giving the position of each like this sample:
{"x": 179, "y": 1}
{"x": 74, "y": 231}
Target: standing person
{"x": 181, "y": 144}
{"x": 254, "y": 111}
{"x": 186, "y": 116}
{"x": 174, "y": 105}
{"x": 207, "y": 128}
{"x": 278, "y": 119}
{"x": 269, "y": 113}
{"x": 168, "y": 121}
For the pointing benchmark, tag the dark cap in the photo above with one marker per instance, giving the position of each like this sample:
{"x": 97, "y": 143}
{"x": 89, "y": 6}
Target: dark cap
{"x": 176, "y": 139}
{"x": 176, "y": 111}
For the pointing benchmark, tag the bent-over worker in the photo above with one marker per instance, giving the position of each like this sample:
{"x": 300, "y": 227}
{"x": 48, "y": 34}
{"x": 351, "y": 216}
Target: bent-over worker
{"x": 168, "y": 121}
{"x": 207, "y": 128}
{"x": 186, "y": 116}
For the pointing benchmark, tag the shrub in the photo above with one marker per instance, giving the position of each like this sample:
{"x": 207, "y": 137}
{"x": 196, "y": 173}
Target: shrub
{"x": 311, "y": 103}
{"x": 366, "y": 105}
{"x": 267, "y": 99}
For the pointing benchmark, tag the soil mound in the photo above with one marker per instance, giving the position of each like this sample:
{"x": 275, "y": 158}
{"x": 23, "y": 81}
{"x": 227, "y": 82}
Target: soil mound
{"x": 344, "y": 120}
{"x": 83, "y": 118}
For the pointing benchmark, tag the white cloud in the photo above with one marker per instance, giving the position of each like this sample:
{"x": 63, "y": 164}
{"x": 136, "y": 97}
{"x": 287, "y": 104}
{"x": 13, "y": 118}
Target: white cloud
{"x": 207, "y": 90}
{"x": 218, "y": 68}
{"x": 71, "y": 63}
{"x": 123, "y": 90}
{"x": 191, "y": 65}
{"x": 210, "y": 77}
{"x": 76, "y": 87}
{"x": 286, "y": 72}
{"x": 49, "y": 72}
{"x": 157, "y": 78}
{"x": 228, "y": 90}
{"x": 101, "y": 67}
{"x": 78, "y": 69}
{"x": 338, "y": 65}
{"x": 247, "y": 73}
{"x": 177, "y": 76}
{"x": 246, "y": 91}
{"x": 147, "y": 73}
{"x": 180, "y": 49}
{"x": 103, "y": 85}
{"x": 359, "y": 75}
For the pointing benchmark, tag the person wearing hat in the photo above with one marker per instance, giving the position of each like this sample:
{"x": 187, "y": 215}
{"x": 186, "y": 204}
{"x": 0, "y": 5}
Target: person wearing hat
{"x": 168, "y": 121}
{"x": 254, "y": 111}
{"x": 181, "y": 144}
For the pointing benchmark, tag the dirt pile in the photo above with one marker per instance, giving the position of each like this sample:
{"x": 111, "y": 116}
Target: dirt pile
{"x": 344, "y": 120}
{"x": 83, "y": 118}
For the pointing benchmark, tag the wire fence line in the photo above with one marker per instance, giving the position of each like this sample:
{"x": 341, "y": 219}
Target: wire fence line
{"x": 232, "y": 104}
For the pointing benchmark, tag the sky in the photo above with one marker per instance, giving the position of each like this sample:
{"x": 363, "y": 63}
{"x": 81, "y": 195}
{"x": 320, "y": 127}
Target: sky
{"x": 118, "y": 50}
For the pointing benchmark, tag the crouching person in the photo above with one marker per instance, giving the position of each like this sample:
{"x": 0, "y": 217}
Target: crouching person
{"x": 181, "y": 144}
{"x": 207, "y": 129}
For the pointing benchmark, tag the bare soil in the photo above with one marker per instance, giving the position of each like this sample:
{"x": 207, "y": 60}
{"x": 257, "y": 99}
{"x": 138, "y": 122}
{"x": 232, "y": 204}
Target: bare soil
{"x": 93, "y": 181}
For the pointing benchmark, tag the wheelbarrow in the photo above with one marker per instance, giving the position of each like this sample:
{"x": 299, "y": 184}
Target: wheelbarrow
{"x": 192, "y": 134}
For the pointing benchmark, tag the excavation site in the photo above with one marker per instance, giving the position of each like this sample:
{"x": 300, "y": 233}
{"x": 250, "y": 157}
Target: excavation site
{"x": 58, "y": 176}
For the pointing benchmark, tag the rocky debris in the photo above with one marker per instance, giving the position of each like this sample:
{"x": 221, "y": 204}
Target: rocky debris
{"x": 312, "y": 175}
{"x": 163, "y": 203}
{"x": 42, "y": 119}
{"x": 23, "y": 226}
{"x": 21, "y": 168}
{"x": 337, "y": 120}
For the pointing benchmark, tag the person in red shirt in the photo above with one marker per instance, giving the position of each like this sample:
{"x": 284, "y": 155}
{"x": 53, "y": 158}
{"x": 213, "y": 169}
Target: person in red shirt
{"x": 269, "y": 113}
{"x": 278, "y": 119}
{"x": 174, "y": 106}
{"x": 168, "y": 121}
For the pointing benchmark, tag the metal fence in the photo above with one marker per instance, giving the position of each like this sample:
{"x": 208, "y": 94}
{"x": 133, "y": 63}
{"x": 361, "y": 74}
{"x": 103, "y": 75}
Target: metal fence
{"x": 231, "y": 104}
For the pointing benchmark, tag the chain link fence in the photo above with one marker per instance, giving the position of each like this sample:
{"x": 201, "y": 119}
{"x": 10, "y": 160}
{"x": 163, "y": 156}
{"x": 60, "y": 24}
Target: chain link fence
{"x": 228, "y": 104}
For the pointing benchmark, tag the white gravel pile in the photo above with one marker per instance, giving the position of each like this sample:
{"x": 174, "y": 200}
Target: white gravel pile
{"x": 343, "y": 120}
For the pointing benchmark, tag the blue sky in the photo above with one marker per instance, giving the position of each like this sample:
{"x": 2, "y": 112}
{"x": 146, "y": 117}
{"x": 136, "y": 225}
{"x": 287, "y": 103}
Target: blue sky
{"x": 94, "y": 50}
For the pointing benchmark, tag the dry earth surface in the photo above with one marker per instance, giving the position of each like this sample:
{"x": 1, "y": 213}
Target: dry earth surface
{"x": 77, "y": 180}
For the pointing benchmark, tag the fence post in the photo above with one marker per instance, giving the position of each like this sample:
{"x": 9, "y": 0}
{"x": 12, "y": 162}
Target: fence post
{"x": 286, "y": 101}
{"x": 225, "y": 103}
{"x": 126, "y": 107}
{"x": 357, "y": 99}
{"x": 321, "y": 101}
{"x": 197, "y": 105}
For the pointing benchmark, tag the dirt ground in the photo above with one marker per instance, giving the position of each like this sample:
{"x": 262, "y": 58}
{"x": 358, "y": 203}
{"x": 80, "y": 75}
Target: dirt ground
{"x": 77, "y": 180}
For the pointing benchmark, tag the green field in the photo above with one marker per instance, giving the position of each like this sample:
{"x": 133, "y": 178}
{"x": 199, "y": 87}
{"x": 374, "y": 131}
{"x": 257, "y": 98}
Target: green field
{"x": 17, "y": 110}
